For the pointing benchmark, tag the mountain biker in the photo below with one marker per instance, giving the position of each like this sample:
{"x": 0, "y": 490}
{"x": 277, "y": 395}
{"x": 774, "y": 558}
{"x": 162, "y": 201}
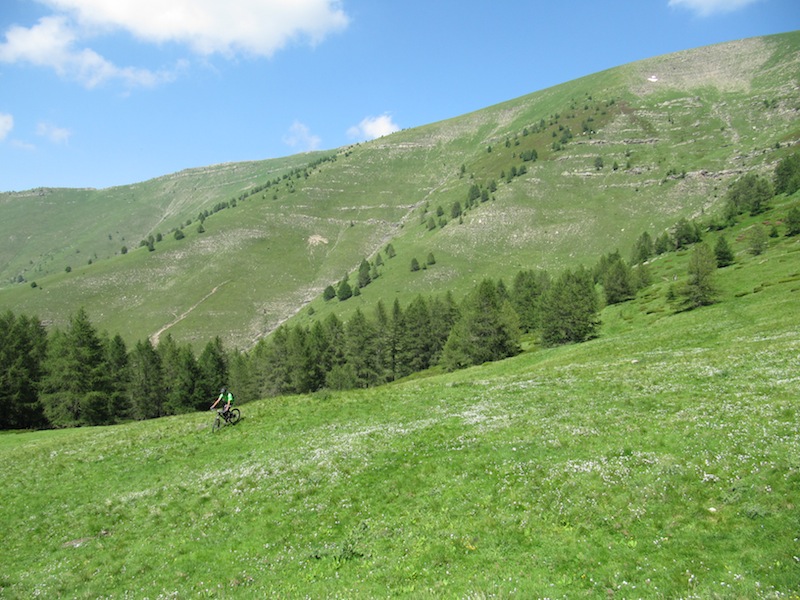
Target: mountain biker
{"x": 228, "y": 396}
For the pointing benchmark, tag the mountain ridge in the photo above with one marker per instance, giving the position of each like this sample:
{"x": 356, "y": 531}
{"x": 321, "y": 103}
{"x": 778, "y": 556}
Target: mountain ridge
{"x": 618, "y": 153}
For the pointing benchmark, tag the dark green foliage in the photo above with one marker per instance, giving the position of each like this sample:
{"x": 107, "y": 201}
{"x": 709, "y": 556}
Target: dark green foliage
{"x": 792, "y": 221}
{"x": 700, "y": 290}
{"x": 663, "y": 244}
{"x": 390, "y": 253}
{"x": 146, "y": 391}
{"x": 431, "y": 260}
{"x": 23, "y": 347}
{"x": 570, "y": 309}
{"x": 787, "y": 175}
{"x": 723, "y": 252}
{"x": 487, "y": 330}
{"x": 685, "y": 233}
{"x": 750, "y": 193}
{"x": 345, "y": 291}
{"x": 757, "y": 239}
{"x": 455, "y": 210}
{"x": 643, "y": 249}
{"x": 76, "y": 385}
{"x": 179, "y": 234}
{"x": 329, "y": 293}
{"x": 415, "y": 347}
{"x": 119, "y": 375}
{"x": 364, "y": 278}
{"x": 526, "y": 296}
{"x": 414, "y": 265}
{"x": 213, "y": 372}
{"x": 618, "y": 283}
{"x": 361, "y": 353}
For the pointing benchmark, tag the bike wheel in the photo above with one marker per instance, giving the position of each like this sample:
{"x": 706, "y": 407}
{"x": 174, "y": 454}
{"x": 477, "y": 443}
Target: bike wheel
{"x": 216, "y": 424}
{"x": 234, "y": 416}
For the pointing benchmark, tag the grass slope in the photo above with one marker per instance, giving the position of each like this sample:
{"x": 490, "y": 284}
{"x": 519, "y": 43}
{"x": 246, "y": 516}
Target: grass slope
{"x": 680, "y": 128}
{"x": 660, "y": 460}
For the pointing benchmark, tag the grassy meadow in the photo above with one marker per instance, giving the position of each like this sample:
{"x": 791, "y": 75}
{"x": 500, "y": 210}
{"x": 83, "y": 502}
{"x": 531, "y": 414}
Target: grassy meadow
{"x": 660, "y": 460}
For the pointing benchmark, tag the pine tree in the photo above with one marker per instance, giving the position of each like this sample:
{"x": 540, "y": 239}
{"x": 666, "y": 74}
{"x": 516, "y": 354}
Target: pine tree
{"x": 76, "y": 384}
{"x": 360, "y": 351}
{"x": 723, "y": 252}
{"x": 570, "y": 309}
{"x": 213, "y": 373}
{"x": 23, "y": 348}
{"x": 526, "y": 294}
{"x": 700, "y": 290}
{"x": 787, "y": 175}
{"x": 345, "y": 291}
{"x": 643, "y": 249}
{"x": 415, "y": 345}
{"x": 487, "y": 330}
{"x": 364, "y": 278}
{"x": 618, "y": 284}
{"x": 117, "y": 358}
{"x": 146, "y": 388}
{"x": 792, "y": 221}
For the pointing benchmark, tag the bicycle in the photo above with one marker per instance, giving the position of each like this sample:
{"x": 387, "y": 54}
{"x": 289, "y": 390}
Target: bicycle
{"x": 230, "y": 417}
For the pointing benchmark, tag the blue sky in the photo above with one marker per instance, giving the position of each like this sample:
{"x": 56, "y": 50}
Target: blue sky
{"x": 97, "y": 93}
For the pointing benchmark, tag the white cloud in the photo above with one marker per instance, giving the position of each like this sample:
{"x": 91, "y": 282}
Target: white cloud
{"x": 57, "y": 135}
{"x": 52, "y": 43}
{"x": 301, "y": 138}
{"x": 373, "y": 127}
{"x": 258, "y": 27}
{"x": 6, "y": 125}
{"x": 706, "y": 8}
{"x": 60, "y": 41}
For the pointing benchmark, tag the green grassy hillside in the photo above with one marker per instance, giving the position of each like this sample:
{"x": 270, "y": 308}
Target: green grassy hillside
{"x": 630, "y": 149}
{"x": 660, "y": 460}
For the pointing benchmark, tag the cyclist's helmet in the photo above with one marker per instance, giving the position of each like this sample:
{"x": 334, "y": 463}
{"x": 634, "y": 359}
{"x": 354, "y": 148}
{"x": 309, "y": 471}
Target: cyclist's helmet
{"x": 222, "y": 391}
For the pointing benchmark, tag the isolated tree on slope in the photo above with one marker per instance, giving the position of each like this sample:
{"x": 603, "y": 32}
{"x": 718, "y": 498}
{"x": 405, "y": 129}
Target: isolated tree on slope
{"x": 700, "y": 290}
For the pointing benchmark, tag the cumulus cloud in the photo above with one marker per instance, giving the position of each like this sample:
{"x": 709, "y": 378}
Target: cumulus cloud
{"x": 258, "y": 27}
{"x": 61, "y": 41}
{"x": 6, "y": 125}
{"x": 373, "y": 127}
{"x": 54, "y": 43}
{"x": 706, "y": 8}
{"x": 301, "y": 138}
{"x": 57, "y": 135}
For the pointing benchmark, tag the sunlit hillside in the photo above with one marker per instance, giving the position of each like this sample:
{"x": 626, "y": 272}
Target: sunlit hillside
{"x": 630, "y": 149}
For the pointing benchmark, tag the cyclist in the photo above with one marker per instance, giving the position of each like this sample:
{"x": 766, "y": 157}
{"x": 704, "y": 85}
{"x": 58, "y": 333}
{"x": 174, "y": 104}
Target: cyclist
{"x": 228, "y": 397}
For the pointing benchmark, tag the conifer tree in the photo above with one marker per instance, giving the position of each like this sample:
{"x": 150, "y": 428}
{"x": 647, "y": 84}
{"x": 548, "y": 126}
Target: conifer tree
{"x": 364, "y": 278}
{"x": 146, "y": 389}
{"x": 415, "y": 345}
{"x": 723, "y": 252}
{"x": 526, "y": 294}
{"x": 213, "y": 373}
{"x": 23, "y": 348}
{"x": 792, "y": 221}
{"x": 487, "y": 330}
{"x": 76, "y": 383}
{"x": 700, "y": 289}
{"x": 570, "y": 309}
{"x": 117, "y": 358}
{"x": 618, "y": 284}
{"x": 360, "y": 351}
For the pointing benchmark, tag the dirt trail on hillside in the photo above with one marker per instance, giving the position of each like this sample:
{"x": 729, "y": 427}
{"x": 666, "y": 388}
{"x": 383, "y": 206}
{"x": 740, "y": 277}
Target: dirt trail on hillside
{"x": 157, "y": 335}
